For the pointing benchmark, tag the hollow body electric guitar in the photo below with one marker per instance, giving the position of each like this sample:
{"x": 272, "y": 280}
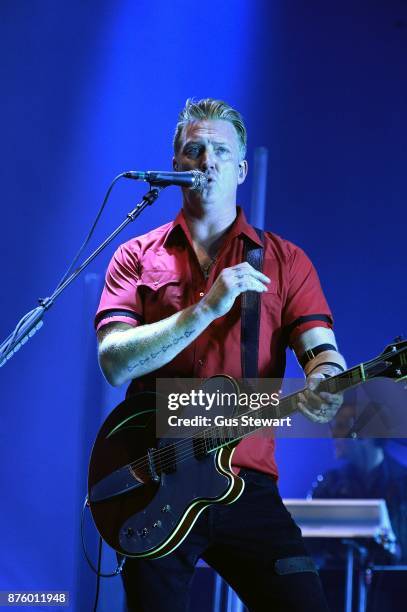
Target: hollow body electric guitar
{"x": 145, "y": 494}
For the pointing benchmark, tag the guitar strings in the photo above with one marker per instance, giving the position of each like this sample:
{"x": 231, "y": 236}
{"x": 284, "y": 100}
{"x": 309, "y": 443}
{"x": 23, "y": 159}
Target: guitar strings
{"x": 168, "y": 452}
{"x": 176, "y": 453}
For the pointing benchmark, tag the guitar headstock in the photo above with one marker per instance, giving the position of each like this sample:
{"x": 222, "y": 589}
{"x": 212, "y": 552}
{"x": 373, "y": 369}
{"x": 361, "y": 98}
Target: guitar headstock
{"x": 395, "y": 355}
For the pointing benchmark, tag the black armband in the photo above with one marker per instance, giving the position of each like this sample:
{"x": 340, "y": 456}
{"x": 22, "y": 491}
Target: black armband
{"x": 105, "y": 315}
{"x": 311, "y": 353}
{"x": 306, "y": 319}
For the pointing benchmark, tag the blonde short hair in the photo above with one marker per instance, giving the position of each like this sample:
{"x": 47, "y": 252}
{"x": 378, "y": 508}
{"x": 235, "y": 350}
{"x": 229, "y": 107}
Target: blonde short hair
{"x": 208, "y": 108}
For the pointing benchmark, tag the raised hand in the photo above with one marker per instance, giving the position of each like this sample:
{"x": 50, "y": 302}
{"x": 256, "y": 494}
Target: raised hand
{"x": 230, "y": 283}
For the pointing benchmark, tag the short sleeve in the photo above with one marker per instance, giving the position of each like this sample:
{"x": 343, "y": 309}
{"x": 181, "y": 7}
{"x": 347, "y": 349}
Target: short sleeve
{"x": 305, "y": 305}
{"x": 119, "y": 301}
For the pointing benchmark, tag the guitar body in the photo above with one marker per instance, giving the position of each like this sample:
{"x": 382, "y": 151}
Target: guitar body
{"x": 145, "y": 509}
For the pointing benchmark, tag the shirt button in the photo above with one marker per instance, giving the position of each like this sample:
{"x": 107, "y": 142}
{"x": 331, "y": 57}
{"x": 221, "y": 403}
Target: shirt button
{"x": 201, "y": 293}
{"x": 200, "y": 362}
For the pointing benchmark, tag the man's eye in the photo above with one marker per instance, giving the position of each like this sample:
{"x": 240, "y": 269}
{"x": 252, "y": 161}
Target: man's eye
{"x": 222, "y": 150}
{"x": 192, "y": 151}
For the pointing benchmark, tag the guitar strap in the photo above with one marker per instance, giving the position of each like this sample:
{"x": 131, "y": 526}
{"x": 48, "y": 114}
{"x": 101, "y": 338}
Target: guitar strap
{"x": 250, "y": 329}
{"x": 250, "y": 317}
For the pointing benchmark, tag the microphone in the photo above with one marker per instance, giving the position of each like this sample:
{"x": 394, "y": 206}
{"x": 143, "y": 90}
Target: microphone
{"x": 194, "y": 179}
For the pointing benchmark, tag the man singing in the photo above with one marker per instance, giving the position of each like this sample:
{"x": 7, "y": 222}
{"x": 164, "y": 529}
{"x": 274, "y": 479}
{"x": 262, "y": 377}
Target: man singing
{"x": 171, "y": 307}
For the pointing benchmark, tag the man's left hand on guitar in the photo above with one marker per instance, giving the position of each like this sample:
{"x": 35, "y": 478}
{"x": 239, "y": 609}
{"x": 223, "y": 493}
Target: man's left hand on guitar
{"x": 319, "y": 406}
{"x": 322, "y": 361}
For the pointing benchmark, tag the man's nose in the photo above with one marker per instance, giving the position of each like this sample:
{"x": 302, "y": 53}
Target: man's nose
{"x": 207, "y": 160}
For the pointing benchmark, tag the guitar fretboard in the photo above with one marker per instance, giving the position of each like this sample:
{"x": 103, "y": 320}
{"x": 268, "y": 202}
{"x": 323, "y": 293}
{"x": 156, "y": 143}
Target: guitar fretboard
{"x": 216, "y": 437}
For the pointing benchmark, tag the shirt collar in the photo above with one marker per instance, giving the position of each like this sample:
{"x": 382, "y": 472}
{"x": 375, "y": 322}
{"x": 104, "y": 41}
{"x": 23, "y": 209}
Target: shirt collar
{"x": 239, "y": 227}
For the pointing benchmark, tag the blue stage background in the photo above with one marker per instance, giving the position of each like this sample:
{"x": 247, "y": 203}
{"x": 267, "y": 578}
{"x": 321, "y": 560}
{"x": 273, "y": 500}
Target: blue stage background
{"x": 92, "y": 89}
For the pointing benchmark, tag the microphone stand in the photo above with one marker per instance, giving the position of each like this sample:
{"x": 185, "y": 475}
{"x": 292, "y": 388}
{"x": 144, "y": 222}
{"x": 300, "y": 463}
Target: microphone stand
{"x": 32, "y": 321}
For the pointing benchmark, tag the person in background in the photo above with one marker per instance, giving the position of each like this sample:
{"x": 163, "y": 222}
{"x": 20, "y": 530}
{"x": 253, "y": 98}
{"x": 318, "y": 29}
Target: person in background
{"x": 367, "y": 472}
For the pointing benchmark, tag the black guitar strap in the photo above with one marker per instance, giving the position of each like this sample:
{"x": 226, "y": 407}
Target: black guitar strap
{"x": 250, "y": 318}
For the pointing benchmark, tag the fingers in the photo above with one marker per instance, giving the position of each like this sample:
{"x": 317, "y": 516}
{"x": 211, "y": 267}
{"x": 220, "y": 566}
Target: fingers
{"x": 336, "y": 399}
{"x": 247, "y": 283}
{"x": 314, "y": 380}
{"x": 311, "y": 399}
{"x": 246, "y": 278}
{"x": 311, "y": 415}
{"x": 316, "y": 400}
{"x": 246, "y": 269}
{"x": 232, "y": 282}
{"x": 319, "y": 407}
{"x": 323, "y": 414}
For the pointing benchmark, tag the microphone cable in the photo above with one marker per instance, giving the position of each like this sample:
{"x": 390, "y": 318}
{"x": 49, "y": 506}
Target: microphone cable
{"x": 10, "y": 339}
{"x": 92, "y": 229}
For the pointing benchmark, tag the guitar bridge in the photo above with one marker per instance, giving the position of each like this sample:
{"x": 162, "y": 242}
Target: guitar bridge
{"x": 199, "y": 446}
{"x": 167, "y": 458}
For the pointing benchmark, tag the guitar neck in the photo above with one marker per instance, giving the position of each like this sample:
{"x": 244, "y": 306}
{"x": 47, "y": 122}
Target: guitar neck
{"x": 217, "y": 437}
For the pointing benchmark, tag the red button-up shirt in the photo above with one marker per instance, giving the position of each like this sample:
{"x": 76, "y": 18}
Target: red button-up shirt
{"x": 155, "y": 275}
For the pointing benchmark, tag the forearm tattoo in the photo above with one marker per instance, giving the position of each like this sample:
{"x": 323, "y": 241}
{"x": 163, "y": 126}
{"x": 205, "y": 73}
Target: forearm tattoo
{"x": 163, "y": 349}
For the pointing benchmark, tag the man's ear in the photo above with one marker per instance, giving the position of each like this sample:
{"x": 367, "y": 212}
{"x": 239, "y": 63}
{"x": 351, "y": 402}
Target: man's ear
{"x": 242, "y": 173}
{"x": 174, "y": 164}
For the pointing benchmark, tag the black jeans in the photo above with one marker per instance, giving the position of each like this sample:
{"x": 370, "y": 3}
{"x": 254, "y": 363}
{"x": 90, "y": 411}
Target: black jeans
{"x": 242, "y": 542}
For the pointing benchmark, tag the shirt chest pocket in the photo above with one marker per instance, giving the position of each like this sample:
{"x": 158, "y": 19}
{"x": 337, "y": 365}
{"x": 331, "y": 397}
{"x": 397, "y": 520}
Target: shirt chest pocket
{"x": 272, "y": 303}
{"x": 161, "y": 294}
{"x": 272, "y": 288}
